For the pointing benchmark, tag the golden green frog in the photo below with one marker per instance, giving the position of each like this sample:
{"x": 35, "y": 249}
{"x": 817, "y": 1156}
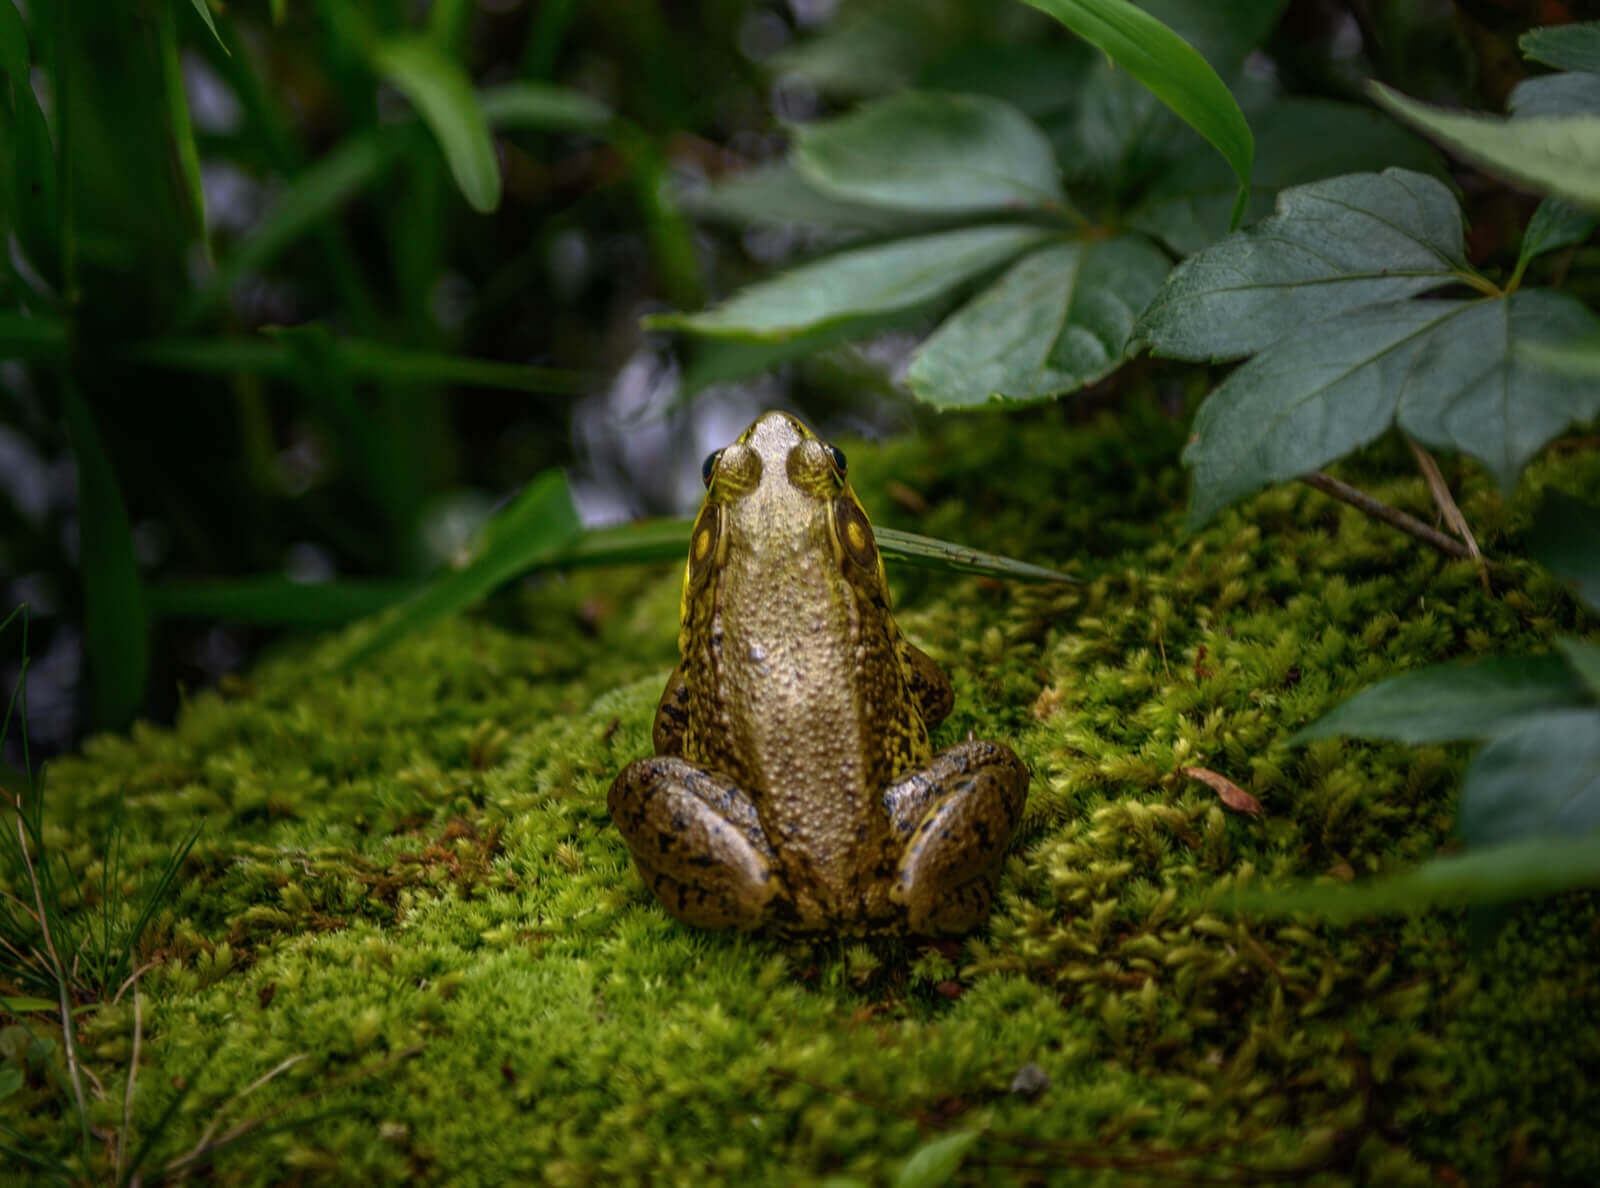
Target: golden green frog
{"x": 793, "y": 786}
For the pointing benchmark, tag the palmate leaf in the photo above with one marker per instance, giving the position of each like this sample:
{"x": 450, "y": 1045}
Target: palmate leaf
{"x": 1539, "y": 776}
{"x": 1556, "y": 95}
{"x": 1333, "y": 245}
{"x": 1566, "y": 47}
{"x": 1058, "y": 320}
{"x": 1450, "y": 373}
{"x": 1566, "y": 538}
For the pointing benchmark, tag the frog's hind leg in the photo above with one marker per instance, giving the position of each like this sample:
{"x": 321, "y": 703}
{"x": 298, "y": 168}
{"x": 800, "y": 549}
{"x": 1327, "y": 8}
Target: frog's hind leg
{"x": 696, "y": 841}
{"x": 954, "y": 817}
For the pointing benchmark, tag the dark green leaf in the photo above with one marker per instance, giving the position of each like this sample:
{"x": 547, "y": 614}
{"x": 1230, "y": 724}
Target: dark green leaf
{"x": 1498, "y": 874}
{"x": 1170, "y": 67}
{"x": 273, "y": 600}
{"x": 14, "y": 54}
{"x": 1566, "y": 540}
{"x": 1552, "y": 154}
{"x": 180, "y": 126}
{"x": 1566, "y": 47}
{"x": 204, "y": 9}
{"x": 776, "y": 194}
{"x": 542, "y": 105}
{"x": 1464, "y": 699}
{"x": 1333, "y": 245}
{"x": 24, "y": 337}
{"x": 1032, "y": 78}
{"x": 1556, "y": 95}
{"x": 538, "y": 525}
{"x": 928, "y": 152}
{"x": 1555, "y": 224}
{"x": 444, "y": 98}
{"x": 18, "y": 1006}
{"x": 719, "y": 360}
{"x": 927, "y": 553}
{"x": 1223, "y": 33}
{"x": 115, "y": 632}
{"x": 1584, "y": 658}
{"x": 34, "y": 179}
{"x": 1450, "y": 373}
{"x": 1540, "y": 776}
{"x": 1057, "y": 321}
{"x": 932, "y": 1164}
{"x": 11, "y": 1078}
{"x": 876, "y": 280}
{"x": 1298, "y": 141}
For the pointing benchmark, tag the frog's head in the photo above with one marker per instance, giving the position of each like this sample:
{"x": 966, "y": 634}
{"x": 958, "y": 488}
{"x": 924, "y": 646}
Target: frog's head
{"x": 781, "y": 490}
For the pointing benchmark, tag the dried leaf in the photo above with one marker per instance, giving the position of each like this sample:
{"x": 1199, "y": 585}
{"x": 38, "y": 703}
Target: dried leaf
{"x": 1231, "y": 795}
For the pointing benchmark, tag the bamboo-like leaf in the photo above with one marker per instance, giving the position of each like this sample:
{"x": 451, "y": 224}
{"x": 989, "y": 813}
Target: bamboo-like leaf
{"x": 542, "y": 105}
{"x": 1169, "y": 67}
{"x": 180, "y": 126}
{"x": 445, "y": 100}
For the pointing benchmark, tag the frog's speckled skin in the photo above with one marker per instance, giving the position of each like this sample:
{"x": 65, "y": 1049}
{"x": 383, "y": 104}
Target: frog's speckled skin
{"x": 793, "y": 786}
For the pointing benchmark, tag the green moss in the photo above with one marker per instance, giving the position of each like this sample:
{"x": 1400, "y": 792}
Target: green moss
{"x": 407, "y": 876}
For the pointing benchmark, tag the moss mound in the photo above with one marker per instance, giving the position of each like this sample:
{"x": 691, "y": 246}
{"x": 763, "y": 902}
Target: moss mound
{"x": 407, "y": 879}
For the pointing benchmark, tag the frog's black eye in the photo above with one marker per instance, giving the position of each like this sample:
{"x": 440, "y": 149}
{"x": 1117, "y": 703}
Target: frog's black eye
{"x": 708, "y": 466}
{"x": 837, "y": 455}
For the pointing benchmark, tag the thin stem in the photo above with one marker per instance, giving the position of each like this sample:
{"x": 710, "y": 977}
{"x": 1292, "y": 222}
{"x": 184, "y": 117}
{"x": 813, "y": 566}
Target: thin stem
{"x": 133, "y": 1079}
{"x": 1448, "y": 508}
{"x": 1393, "y": 516}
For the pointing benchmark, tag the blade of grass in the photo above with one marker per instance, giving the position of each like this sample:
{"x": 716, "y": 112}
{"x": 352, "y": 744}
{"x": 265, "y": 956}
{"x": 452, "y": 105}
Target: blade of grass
{"x": 444, "y": 98}
{"x": 926, "y": 552}
{"x": 273, "y": 600}
{"x": 204, "y": 9}
{"x": 181, "y": 127}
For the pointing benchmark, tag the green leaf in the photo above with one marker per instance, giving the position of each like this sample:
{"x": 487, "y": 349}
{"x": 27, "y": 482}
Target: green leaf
{"x": 11, "y": 1078}
{"x": 115, "y": 633}
{"x": 274, "y": 600}
{"x": 1450, "y": 373}
{"x": 1223, "y": 33}
{"x": 1556, "y": 95}
{"x": 24, "y": 337}
{"x": 34, "y": 180}
{"x": 720, "y": 360}
{"x": 1584, "y": 658}
{"x": 776, "y": 194}
{"x": 180, "y": 126}
{"x": 19, "y": 1006}
{"x": 1298, "y": 141}
{"x": 866, "y": 281}
{"x": 538, "y": 525}
{"x": 1555, "y": 224}
{"x": 542, "y": 105}
{"x": 1539, "y": 777}
{"x": 1030, "y": 77}
{"x": 1552, "y": 154}
{"x": 1333, "y": 245}
{"x": 14, "y": 53}
{"x": 1526, "y": 869}
{"x": 204, "y": 9}
{"x": 1057, "y": 321}
{"x": 925, "y": 552}
{"x": 931, "y": 153}
{"x": 444, "y": 98}
{"x": 933, "y": 1163}
{"x": 314, "y": 194}
{"x": 1463, "y": 699}
{"x": 1170, "y": 67}
{"x": 1566, "y": 47}
{"x": 1565, "y": 539}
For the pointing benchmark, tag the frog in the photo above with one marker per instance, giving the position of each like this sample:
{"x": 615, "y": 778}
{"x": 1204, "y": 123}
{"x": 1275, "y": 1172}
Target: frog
{"x": 794, "y": 788}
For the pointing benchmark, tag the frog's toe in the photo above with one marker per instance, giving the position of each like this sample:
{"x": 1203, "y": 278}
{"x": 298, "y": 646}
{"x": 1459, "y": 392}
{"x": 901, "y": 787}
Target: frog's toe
{"x": 697, "y": 843}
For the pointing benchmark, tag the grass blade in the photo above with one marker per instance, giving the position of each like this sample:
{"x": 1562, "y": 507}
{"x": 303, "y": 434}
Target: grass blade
{"x": 272, "y": 600}
{"x": 444, "y": 98}
{"x": 542, "y": 105}
{"x": 204, "y": 10}
{"x": 926, "y": 552}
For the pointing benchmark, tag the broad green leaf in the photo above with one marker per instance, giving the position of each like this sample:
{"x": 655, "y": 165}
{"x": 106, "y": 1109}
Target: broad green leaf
{"x": 14, "y": 54}
{"x": 1031, "y": 78}
{"x": 1552, "y": 154}
{"x": 1566, "y": 47}
{"x": 542, "y": 105}
{"x": 274, "y": 600}
{"x": 115, "y": 632}
{"x": 776, "y": 194}
{"x": 1057, "y": 321}
{"x": 1555, "y": 225}
{"x": 1526, "y": 869}
{"x": 1556, "y": 95}
{"x": 927, "y": 152}
{"x": 1450, "y": 373}
{"x": 1187, "y": 204}
{"x": 204, "y": 9}
{"x": 1463, "y": 699}
{"x": 1540, "y": 776}
{"x": 1170, "y": 67}
{"x": 444, "y": 98}
{"x": 932, "y": 1164}
{"x": 538, "y": 525}
{"x": 313, "y": 195}
{"x": 1584, "y": 658}
{"x": 866, "y": 281}
{"x": 24, "y": 337}
{"x": 1566, "y": 539}
{"x": 1333, "y": 245}
{"x": 720, "y": 360}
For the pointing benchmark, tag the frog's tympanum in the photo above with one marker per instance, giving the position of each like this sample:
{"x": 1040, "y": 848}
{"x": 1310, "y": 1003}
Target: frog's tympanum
{"x": 793, "y": 787}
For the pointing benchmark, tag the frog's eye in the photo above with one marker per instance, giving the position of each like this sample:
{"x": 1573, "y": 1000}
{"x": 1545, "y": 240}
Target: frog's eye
{"x": 837, "y": 455}
{"x": 708, "y": 466}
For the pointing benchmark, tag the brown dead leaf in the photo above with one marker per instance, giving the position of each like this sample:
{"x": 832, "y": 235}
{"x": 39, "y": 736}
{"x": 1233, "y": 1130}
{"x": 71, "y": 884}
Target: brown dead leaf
{"x": 1231, "y": 795}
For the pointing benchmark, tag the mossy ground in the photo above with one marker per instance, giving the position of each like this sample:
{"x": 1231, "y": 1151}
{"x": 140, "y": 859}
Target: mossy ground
{"x": 408, "y": 876}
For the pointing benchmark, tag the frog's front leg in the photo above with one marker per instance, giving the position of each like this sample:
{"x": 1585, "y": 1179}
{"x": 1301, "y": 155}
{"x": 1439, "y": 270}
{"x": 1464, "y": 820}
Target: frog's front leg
{"x": 672, "y": 715}
{"x": 954, "y": 817}
{"x": 695, "y": 838}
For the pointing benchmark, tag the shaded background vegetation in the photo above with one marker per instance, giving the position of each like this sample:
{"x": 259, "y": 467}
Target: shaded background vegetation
{"x": 178, "y": 201}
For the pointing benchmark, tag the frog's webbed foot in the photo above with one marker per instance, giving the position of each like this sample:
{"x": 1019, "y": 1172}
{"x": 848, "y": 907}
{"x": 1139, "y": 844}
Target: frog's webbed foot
{"x": 695, "y": 838}
{"x": 955, "y": 817}
{"x": 930, "y": 687}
